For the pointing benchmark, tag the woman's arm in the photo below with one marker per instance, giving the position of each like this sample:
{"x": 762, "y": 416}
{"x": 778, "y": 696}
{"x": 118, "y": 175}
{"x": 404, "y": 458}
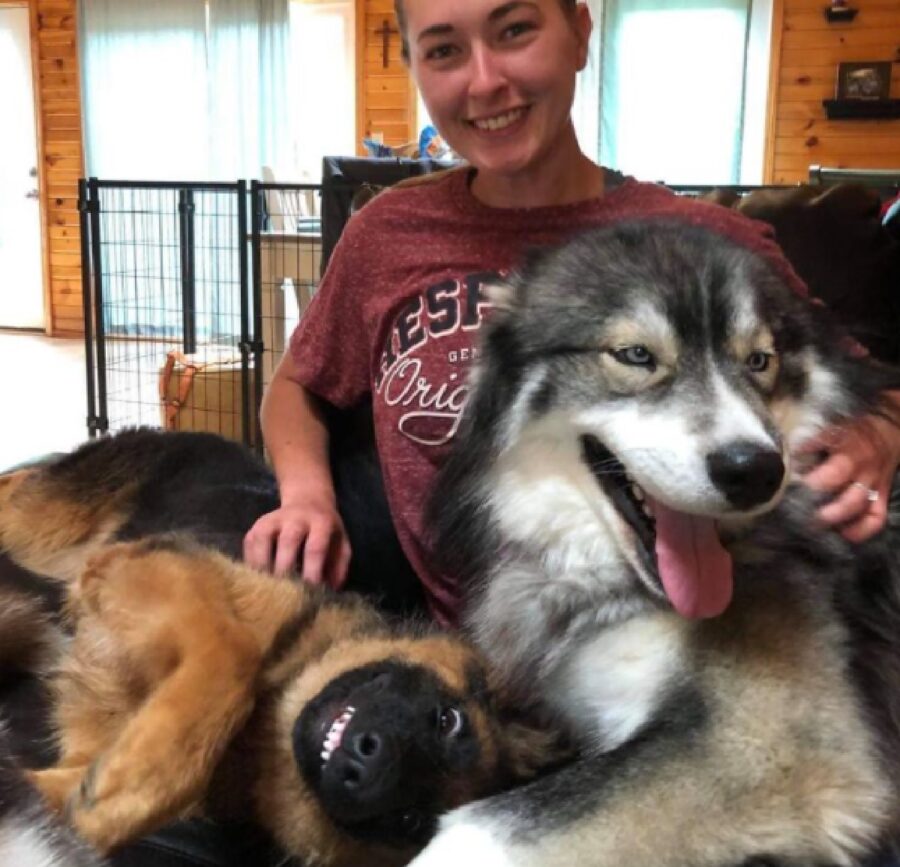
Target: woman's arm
{"x": 308, "y": 521}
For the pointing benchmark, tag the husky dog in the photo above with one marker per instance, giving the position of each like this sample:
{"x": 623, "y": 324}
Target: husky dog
{"x": 624, "y": 492}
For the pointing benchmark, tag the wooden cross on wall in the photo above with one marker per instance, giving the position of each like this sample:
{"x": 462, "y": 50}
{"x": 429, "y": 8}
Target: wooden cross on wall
{"x": 385, "y": 32}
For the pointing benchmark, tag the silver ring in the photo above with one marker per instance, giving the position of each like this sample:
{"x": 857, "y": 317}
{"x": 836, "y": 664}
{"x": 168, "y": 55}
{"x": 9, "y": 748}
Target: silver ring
{"x": 871, "y": 493}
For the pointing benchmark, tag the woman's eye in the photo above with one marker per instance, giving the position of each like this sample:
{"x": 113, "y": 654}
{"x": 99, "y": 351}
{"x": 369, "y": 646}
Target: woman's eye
{"x": 450, "y": 722}
{"x": 440, "y": 52}
{"x": 635, "y": 356}
{"x": 517, "y": 29}
{"x": 758, "y": 362}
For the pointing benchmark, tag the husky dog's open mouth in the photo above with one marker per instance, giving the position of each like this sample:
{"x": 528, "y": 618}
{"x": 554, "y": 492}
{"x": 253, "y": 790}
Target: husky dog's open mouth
{"x": 681, "y": 551}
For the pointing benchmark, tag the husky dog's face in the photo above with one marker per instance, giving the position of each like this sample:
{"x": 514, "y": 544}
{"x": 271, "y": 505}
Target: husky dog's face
{"x": 660, "y": 376}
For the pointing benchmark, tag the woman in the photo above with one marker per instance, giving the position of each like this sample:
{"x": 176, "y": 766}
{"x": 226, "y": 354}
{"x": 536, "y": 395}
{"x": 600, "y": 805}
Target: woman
{"x": 398, "y": 312}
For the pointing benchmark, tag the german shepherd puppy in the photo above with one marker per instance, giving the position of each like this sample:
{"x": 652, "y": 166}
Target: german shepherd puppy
{"x": 623, "y": 489}
{"x": 192, "y": 684}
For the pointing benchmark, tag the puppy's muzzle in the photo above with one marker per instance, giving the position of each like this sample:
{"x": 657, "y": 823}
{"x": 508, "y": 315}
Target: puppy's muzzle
{"x": 747, "y": 473}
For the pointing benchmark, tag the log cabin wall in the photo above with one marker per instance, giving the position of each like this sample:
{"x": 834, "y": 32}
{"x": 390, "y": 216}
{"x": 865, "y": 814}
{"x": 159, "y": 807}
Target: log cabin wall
{"x": 385, "y": 94}
{"x": 61, "y": 163}
{"x": 806, "y": 50}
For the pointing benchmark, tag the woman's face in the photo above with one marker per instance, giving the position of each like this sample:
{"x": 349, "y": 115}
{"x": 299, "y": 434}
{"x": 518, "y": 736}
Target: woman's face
{"x": 498, "y": 78}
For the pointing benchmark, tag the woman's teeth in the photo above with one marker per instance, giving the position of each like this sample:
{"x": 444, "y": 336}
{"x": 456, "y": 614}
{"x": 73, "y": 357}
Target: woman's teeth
{"x": 500, "y": 121}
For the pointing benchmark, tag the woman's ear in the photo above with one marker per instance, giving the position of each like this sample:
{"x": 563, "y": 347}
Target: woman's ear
{"x": 584, "y": 25}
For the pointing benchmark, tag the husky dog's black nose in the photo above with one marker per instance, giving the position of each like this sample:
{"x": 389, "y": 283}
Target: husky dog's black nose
{"x": 747, "y": 473}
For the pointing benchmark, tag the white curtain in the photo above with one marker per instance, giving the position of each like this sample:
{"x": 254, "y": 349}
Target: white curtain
{"x": 180, "y": 90}
{"x": 249, "y": 108}
{"x": 672, "y": 89}
{"x": 323, "y": 57}
{"x": 144, "y": 88}
{"x": 586, "y": 108}
{"x": 185, "y": 89}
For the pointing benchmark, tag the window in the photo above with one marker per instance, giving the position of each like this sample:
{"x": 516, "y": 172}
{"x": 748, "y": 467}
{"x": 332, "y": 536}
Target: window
{"x": 322, "y": 88}
{"x": 682, "y": 96}
{"x": 175, "y": 90}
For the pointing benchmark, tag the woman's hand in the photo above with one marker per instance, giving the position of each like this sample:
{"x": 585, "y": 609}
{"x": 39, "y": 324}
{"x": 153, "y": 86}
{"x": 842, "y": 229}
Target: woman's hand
{"x": 313, "y": 529}
{"x": 858, "y": 472}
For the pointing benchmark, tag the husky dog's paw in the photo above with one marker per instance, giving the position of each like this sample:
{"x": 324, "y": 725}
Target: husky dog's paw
{"x": 464, "y": 842}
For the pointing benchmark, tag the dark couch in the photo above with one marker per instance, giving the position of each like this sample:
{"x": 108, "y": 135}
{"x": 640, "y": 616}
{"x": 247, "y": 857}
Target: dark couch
{"x": 836, "y": 241}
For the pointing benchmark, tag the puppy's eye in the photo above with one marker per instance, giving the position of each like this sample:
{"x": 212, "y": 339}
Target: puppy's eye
{"x": 758, "y": 362}
{"x": 635, "y": 356}
{"x": 411, "y": 821}
{"x": 450, "y": 722}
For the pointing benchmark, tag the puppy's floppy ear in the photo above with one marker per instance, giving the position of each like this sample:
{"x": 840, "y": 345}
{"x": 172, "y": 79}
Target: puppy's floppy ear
{"x": 530, "y": 745}
{"x": 9, "y": 482}
{"x": 529, "y": 742}
{"x": 30, "y": 640}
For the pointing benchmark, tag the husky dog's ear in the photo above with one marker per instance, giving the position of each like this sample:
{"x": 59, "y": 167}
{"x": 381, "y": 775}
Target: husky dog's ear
{"x": 501, "y": 293}
{"x": 508, "y": 290}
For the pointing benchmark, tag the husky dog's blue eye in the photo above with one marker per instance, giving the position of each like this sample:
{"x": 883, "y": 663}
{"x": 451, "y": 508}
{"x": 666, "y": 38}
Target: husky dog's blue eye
{"x": 758, "y": 362}
{"x": 637, "y": 356}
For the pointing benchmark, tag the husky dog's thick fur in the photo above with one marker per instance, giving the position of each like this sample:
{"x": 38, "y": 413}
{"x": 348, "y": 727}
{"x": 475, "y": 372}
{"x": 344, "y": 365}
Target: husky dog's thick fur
{"x": 29, "y": 835}
{"x": 640, "y": 396}
{"x": 190, "y": 684}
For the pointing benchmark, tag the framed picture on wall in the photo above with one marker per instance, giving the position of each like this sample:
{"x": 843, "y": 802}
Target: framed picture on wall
{"x": 864, "y": 80}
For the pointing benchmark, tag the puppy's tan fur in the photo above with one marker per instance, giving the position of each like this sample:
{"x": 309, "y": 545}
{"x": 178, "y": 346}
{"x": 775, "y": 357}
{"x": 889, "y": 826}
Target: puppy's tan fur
{"x": 186, "y": 672}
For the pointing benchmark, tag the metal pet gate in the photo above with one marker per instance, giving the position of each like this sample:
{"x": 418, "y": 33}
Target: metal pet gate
{"x": 190, "y": 291}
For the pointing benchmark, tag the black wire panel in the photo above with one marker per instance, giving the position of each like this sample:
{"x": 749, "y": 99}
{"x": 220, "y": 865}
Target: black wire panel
{"x": 169, "y": 266}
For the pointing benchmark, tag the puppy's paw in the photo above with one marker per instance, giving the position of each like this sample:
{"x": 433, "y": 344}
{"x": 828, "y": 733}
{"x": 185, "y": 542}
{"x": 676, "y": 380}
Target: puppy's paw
{"x": 465, "y": 842}
{"x": 111, "y": 806}
{"x": 56, "y": 785}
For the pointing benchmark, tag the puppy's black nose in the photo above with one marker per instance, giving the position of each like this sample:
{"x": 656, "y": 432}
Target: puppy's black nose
{"x": 367, "y": 759}
{"x": 747, "y": 473}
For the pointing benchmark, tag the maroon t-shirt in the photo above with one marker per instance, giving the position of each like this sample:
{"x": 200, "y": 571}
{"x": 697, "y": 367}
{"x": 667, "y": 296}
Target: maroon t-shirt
{"x": 398, "y": 311}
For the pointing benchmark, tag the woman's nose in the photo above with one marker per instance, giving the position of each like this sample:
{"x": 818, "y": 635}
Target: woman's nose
{"x": 486, "y": 69}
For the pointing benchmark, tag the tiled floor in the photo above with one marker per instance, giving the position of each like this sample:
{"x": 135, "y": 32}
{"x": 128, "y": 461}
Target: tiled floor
{"x": 43, "y": 402}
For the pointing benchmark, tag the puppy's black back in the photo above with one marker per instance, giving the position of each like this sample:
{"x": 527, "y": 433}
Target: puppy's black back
{"x": 214, "y": 490}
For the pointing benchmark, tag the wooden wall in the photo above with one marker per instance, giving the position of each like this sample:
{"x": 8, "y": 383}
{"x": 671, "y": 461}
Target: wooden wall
{"x": 61, "y": 159}
{"x": 386, "y": 97}
{"x": 805, "y": 52}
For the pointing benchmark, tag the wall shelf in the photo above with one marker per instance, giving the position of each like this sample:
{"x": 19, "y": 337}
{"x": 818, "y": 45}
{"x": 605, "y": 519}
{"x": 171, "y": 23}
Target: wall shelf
{"x": 861, "y": 109}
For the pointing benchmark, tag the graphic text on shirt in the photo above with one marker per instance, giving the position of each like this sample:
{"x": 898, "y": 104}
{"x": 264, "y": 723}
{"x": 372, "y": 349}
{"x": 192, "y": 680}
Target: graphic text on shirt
{"x": 421, "y": 383}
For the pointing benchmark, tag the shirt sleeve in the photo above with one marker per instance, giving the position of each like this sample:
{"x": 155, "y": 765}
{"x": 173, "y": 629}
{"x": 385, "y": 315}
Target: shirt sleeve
{"x": 329, "y": 349}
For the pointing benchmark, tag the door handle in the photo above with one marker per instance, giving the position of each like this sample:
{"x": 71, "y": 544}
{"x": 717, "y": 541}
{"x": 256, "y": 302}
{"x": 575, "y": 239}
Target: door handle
{"x": 33, "y": 194}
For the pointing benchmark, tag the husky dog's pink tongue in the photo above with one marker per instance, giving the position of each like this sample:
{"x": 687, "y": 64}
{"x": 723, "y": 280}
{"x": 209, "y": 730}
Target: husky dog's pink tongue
{"x": 695, "y": 569}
